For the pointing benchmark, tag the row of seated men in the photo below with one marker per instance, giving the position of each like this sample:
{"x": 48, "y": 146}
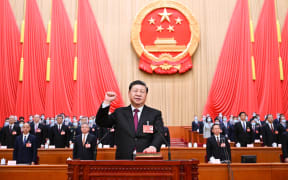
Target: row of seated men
{"x": 61, "y": 134}
{"x": 85, "y": 146}
{"x": 240, "y": 130}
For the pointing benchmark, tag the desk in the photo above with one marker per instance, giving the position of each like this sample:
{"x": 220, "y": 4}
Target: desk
{"x": 259, "y": 171}
{"x": 59, "y": 156}
{"x": 37, "y": 172}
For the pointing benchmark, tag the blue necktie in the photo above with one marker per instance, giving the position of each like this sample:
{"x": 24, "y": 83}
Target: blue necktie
{"x": 24, "y": 140}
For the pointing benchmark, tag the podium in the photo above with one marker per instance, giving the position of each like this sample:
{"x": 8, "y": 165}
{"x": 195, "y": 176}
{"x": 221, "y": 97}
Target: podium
{"x": 129, "y": 169}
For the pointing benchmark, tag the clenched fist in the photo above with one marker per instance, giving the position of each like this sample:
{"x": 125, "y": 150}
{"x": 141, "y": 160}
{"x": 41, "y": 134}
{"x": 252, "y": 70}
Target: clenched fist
{"x": 109, "y": 97}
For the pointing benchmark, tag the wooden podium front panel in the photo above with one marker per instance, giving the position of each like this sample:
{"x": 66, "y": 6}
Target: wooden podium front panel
{"x": 125, "y": 170}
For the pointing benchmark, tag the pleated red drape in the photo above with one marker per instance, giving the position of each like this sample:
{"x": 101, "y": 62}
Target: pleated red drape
{"x": 266, "y": 61}
{"x": 31, "y": 91}
{"x": 59, "y": 90}
{"x": 95, "y": 75}
{"x": 233, "y": 89}
{"x": 10, "y": 52}
{"x": 284, "y": 55}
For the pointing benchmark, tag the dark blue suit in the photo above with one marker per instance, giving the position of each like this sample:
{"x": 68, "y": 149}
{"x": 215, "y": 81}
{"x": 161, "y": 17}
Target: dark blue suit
{"x": 23, "y": 154}
{"x": 85, "y": 152}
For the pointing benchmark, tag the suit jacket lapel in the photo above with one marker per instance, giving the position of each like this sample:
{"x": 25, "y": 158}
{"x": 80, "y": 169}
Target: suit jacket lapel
{"x": 141, "y": 120}
{"x": 130, "y": 120}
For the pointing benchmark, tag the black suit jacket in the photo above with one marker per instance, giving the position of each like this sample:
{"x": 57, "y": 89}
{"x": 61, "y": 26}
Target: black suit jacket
{"x": 8, "y": 137}
{"x": 23, "y": 154}
{"x": 285, "y": 144}
{"x": 86, "y": 152}
{"x": 215, "y": 150}
{"x": 59, "y": 139}
{"x": 41, "y": 133}
{"x": 242, "y": 136}
{"x": 126, "y": 138}
{"x": 268, "y": 136}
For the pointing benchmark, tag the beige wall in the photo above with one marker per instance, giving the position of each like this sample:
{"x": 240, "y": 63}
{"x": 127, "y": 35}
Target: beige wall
{"x": 178, "y": 96}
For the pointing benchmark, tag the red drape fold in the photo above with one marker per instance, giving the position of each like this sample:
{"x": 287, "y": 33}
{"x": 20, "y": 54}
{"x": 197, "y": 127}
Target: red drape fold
{"x": 31, "y": 92}
{"x": 59, "y": 90}
{"x": 266, "y": 62}
{"x": 95, "y": 75}
{"x": 233, "y": 89}
{"x": 284, "y": 55}
{"x": 10, "y": 52}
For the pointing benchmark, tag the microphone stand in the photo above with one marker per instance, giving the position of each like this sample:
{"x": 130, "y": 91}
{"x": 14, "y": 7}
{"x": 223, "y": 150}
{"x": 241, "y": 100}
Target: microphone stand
{"x": 227, "y": 160}
{"x": 168, "y": 145}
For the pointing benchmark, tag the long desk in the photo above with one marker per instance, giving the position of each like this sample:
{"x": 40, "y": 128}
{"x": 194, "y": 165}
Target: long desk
{"x": 259, "y": 171}
{"x": 59, "y": 156}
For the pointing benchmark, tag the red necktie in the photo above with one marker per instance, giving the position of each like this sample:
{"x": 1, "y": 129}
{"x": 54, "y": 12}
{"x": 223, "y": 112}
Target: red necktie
{"x": 136, "y": 119}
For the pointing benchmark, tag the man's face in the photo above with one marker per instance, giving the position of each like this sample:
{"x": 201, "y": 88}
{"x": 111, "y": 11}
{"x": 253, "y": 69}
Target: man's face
{"x": 26, "y": 128}
{"x": 216, "y": 130}
{"x": 137, "y": 95}
{"x": 243, "y": 116}
{"x": 270, "y": 118}
{"x": 36, "y": 119}
{"x": 84, "y": 128}
{"x": 11, "y": 120}
{"x": 59, "y": 120}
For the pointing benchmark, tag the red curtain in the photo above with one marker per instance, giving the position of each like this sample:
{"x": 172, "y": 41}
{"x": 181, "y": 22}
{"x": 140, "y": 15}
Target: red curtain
{"x": 31, "y": 91}
{"x": 284, "y": 55}
{"x": 233, "y": 89}
{"x": 266, "y": 62}
{"x": 95, "y": 75}
{"x": 10, "y": 52}
{"x": 59, "y": 90}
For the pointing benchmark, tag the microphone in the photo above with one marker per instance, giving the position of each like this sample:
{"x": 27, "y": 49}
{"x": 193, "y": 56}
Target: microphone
{"x": 168, "y": 145}
{"x": 222, "y": 140}
{"x": 105, "y": 135}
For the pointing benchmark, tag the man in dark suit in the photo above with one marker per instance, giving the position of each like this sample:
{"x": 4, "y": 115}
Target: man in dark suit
{"x": 285, "y": 146}
{"x": 10, "y": 132}
{"x": 256, "y": 129}
{"x": 137, "y": 126}
{"x": 59, "y": 134}
{"x": 85, "y": 144}
{"x": 25, "y": 149}
{"x": 243, "y": 131}
{"x": 39, "y": 130}
{"x": 218, "y": 145}
{"x": 269, "y": 132}
{"x": 197, "y": 125}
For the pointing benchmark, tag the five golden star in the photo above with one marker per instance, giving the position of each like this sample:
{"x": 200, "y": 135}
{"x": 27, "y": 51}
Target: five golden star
{"x": 178, "y": 20}
{"x": 151, "y": 21}
{"x": 165, "y": 15}
{"x": 170, "y": 28}
{"x": 159, "y": 28}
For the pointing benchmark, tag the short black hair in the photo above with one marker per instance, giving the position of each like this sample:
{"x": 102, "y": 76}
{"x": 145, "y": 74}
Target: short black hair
{"x": 242, "y": 113}
{"x": 215, "y": 125}
{"x": 138, "y": 82}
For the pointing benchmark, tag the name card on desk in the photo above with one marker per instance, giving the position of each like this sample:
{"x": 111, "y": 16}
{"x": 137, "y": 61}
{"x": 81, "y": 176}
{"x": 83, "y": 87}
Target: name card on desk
{"x": 3, "y": 147}
{"x": 11, "y": 163}
{"x": 52, "y": 147}
{"x": 106, "y": 146}
{"x": 257, "y": 141}
{"x": 250, "y": 145}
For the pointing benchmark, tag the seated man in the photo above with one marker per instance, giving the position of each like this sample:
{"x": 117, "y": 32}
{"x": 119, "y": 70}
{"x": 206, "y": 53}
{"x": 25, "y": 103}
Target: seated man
{"x": 85, "y": 144}
{"x": 217, "y": 145}
{"x": 25, "y": 149}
